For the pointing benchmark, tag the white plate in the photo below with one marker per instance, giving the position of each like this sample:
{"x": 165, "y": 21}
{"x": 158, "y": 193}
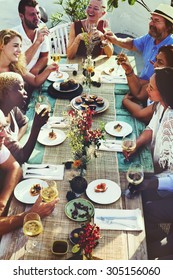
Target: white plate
{"x": 111, "y": 195}
{"x": 43, "y": 137}
{"x": 126, "y": 128}
{"x": 22, "y": 190}
{"x": 56, "y": 85}
{"x": 60, "y": 76}
{"x": 117, "y": 72}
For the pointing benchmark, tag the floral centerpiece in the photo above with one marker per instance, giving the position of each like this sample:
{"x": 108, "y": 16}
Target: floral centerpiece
{"x": 83, "y": 139}
{"x": 88, "y": 240}
{"x": 88, "y": 63}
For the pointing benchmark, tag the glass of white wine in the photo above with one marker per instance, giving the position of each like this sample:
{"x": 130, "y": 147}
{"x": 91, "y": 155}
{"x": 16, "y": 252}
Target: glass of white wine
{"x": 41, "y": 103}
{"x": 49, "y": 193}
{"x": 128, "y": 144}
{"x": 106, "y": 28}
{"x": 135, "y": 176}
{"x": 32, "y": 224}
{"x": 56, "y": 58}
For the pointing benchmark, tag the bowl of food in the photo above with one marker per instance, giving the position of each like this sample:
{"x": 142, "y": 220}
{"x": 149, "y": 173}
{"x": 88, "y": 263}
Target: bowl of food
{"x": 74, "y": 236}
{"x": 60, "y": 247}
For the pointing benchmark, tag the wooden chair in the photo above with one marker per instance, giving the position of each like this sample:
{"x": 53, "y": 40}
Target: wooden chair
{"x": 58, "y": 38}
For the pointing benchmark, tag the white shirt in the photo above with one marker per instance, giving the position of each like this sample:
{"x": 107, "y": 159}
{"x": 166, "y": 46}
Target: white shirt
{"x": 4, "y": 154}
{"x": 27, "y": 43}
{"x": 154, "y": 125}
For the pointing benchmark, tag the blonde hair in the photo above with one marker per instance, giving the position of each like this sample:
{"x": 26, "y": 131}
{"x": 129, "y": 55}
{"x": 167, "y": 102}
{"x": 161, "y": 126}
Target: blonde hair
{"x": 6, "y": 36}
{"x": 7, "y": 82}
{"x": 103, "y": 4}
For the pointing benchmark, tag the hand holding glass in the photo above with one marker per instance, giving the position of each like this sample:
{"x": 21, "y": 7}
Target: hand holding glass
{"x": 41, "y": 103}
{"x": 128, "y": 144}
{"x": 106, "y": 28}
{"x": 135, "y": 176}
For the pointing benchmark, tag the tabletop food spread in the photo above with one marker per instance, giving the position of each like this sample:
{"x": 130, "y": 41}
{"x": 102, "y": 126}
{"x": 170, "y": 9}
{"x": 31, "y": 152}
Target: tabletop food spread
{"x": 103, "y": 194}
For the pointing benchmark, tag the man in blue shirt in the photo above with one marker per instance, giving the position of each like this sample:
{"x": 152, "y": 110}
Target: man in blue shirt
{"x": 160, "y": 33}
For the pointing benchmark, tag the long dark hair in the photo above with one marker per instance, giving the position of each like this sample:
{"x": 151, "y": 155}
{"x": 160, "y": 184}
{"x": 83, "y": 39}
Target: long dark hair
{"x": 164, "y": 82}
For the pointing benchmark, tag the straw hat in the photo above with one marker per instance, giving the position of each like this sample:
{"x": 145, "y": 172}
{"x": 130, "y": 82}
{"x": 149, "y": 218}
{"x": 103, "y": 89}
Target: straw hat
{"x": 165, "y": 11}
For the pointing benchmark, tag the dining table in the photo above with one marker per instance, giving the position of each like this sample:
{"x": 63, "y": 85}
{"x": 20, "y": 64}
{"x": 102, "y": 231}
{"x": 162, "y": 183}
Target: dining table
{"x": 113, "y": 244}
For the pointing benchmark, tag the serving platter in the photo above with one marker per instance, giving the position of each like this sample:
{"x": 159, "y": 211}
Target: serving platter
{"x": 99, "y": 109}
{"x": 79, "y": 209}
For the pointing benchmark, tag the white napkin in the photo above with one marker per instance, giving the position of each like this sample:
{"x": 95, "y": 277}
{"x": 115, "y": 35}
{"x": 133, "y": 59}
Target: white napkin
{"x": 68, "y": 67}
{"x": 55, "y": 122}
{"x": 110, "y": 145}
{"x": 43, "y": 171}
{"x": 112, "y": 79}
{"x": 119, "y": 219}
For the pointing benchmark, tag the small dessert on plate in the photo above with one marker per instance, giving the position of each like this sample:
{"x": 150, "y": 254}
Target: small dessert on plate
{"x": 118, "y": 127}
{"x": 84, "y": 106}
{"x": 52, "y": 135}
{"x": 92, "y": 96}
{"x": 35, "y": 190}
{"x": 68, "y": 85}
{"x": 100, "y": 187}
{"x": 99, "y": 101}
{"x": 89, "y": 101}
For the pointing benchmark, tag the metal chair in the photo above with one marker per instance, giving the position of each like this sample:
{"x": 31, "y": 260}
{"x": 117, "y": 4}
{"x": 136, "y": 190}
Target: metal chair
{"x": 58, "y": 38}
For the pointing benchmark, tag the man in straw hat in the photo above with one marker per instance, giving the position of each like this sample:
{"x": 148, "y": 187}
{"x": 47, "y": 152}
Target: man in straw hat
{"x": 159, "y": 34}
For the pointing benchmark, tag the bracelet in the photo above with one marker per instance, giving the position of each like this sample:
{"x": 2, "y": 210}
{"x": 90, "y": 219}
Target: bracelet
{"x": 129, "y": 74}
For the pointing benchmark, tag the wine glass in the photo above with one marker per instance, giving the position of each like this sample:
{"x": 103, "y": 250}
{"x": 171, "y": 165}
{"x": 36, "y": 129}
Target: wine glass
{"x": 41, "y": 103}
{"x": 106, "y": 28}
{"x": 49, "y": 193}
{"x": 135, "y": 176}
{"x": 129, "y": 143}
{"x": 32, "y": 224}
{"x": 56, "y": 57}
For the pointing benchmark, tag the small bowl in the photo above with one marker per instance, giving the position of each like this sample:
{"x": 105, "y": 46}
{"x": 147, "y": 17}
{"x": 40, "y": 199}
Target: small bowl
{"x": 75, "y": 239}
{"x": 60, "y": 247}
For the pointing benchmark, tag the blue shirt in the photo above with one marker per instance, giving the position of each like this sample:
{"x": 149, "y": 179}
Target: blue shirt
{"x": 166, "y": 183}
{"x": 146, "y": 45}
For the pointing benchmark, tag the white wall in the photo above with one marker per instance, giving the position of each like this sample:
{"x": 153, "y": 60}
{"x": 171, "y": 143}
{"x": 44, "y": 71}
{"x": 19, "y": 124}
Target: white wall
{"x": 132, "y": 20}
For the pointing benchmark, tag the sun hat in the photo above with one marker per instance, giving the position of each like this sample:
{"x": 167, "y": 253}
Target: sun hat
{"x": 165, "y": 11}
